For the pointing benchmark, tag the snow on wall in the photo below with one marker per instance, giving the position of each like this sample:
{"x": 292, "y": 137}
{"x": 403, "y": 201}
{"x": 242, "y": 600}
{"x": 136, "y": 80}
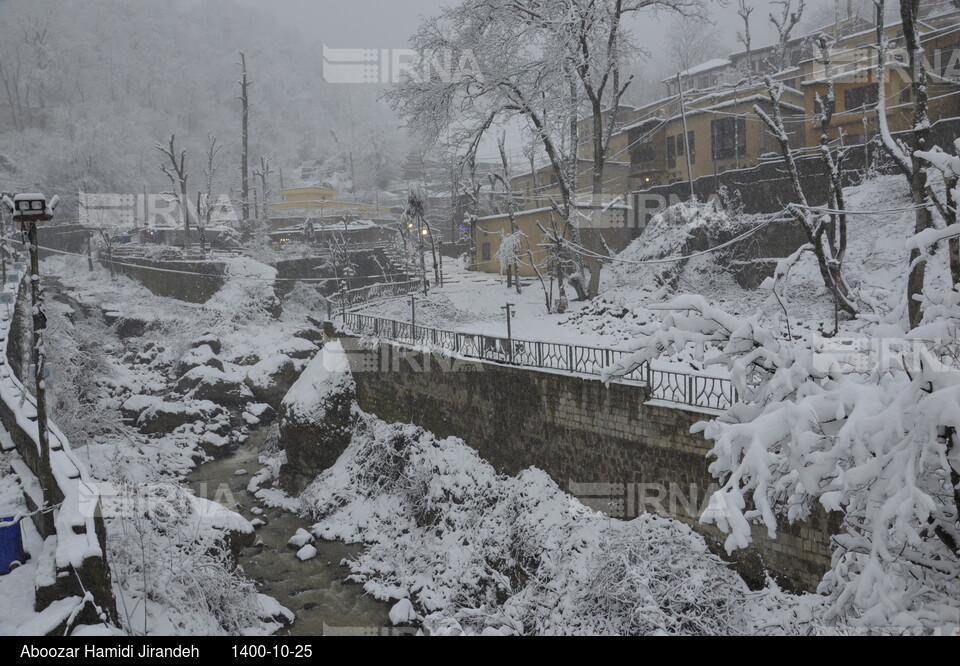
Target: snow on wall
{"x": 603, "y": 444}
{"x": 80, "y": 544}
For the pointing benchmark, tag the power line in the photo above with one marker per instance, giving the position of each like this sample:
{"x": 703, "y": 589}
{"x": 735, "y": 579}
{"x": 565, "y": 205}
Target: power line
{"x": 671, "y": 260}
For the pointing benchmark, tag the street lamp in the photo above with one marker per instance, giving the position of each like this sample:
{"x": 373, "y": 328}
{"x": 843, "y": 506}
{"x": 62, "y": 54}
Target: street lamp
{"x": 29, "y": 209}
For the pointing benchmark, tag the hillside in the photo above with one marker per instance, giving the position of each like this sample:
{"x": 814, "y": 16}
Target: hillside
{"x": 88, "y": 88}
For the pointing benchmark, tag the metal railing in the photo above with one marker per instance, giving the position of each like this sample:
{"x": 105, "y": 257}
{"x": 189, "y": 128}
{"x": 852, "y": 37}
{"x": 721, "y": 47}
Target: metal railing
{"x": 693, "y": 390}
{"x": 345, "y": 299}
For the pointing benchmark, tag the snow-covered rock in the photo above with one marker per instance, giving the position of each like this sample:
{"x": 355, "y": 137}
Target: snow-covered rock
{"x": 261, "y": 411}
{"x": 158, "y": 416}
{"x": 316, "y": 418}
{"x": 300, "y": 539}
{"x": 271, "y": 378}
{"x": 197, "y": 356}
{"x": 308, "y": 552}
{"x": 403, "y": 613}
{"x": 206, "y": 382}
{"x": 208, "y": 339}
{"x": 298, "y": 348}
{"x": 272, "y": 611}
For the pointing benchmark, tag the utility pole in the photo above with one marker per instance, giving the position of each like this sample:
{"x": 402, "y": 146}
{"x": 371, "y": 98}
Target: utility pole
{"x": 29, "y": 209}
{"x": 686, "y": 137}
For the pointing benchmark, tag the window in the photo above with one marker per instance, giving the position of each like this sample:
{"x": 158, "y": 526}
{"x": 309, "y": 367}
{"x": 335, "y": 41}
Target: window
{"x": 906, "y": 95}
{"x": 729, "y": 137}
{"x": 485, "y": 252}
{"x": 645, "y": 152}
{"x": 677, "y": 148}
{"x": 857, "y": 98}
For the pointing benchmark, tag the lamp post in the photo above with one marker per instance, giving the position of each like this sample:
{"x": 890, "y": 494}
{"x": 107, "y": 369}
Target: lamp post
{"x": 29, "y": 209}
{"x": 413, "y": 318}
{"x": 509, "y": 310}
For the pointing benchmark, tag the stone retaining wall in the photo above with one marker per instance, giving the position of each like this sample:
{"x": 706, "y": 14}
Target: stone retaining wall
{"x": 610, "y": 446}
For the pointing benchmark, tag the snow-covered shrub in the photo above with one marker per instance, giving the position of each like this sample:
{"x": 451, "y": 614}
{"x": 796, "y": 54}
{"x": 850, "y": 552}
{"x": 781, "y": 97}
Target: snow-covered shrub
{"x": 79, "y": 369}
{"x": 247, "y": 296}
{"x": 872, "y": 437}
{"x": 478, "y": 551}
{"x": 174, "y": 576}
{"x": 654, "y": 576}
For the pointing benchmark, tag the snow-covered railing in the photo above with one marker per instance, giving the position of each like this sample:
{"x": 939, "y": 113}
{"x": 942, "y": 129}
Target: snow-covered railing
{"x": 682, "y": 388}
{"x": 373, "y": 292}
{"x": 74, "y": 562}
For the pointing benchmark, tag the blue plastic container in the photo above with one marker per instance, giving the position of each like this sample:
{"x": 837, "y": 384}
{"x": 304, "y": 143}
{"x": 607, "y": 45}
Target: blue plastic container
{"x": 11, "y": 543}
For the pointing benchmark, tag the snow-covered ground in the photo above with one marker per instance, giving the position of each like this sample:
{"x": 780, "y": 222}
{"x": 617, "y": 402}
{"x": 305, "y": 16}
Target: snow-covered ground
{"x": 875, "y": 266}
{"x": 138, "y": 374}
{"x": 464, "y": 549}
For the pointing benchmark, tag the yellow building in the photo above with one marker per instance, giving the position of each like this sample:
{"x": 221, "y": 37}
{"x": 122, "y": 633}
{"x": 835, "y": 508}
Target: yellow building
{"x": 855, "y": 85}
{"x": 610, "y": 221}
{"x": 723, "y": 132}
{"x": 316, "y": 202}
{"x": 539, "y": 187}
{"x": 306, "y": 197}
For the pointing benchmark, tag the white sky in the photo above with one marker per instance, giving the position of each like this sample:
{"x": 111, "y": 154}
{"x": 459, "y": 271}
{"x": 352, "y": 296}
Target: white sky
{"x": 386, "y": 24}
{"x": 389, "y": 23}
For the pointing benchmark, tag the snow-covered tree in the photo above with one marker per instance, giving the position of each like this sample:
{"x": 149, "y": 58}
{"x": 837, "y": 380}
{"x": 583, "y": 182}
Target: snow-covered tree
{"x": 541, "y": 62}
{"x": 691, "y": 40}
{"x": 826, "y": 232}
{"x": 177, "y": 172}
{"x": 949, "y": 167}
{"x": 784, "y": 22}
{"x": 872, "y": 437}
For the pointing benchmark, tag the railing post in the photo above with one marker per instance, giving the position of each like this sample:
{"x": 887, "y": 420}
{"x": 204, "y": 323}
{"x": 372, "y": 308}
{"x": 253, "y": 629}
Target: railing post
{"x": 539, "y": 354}
{"x": 690, "y": 396}
{"x": 570, "y": 358}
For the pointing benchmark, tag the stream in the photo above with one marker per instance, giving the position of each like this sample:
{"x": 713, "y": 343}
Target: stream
{"x": 314, "y": 590}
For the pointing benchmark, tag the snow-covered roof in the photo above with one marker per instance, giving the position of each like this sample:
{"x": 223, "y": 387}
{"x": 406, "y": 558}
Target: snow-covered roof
{"x": 714, "y": 63}
{"x": 583, "y": 203}
{"x": 650, "y": 120}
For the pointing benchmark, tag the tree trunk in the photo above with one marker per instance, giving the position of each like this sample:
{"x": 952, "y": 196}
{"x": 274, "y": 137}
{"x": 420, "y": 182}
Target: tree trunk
{"x": 244, "y": 138}
{"x": 921, "y": 138}
{"x": 185, "y": 212}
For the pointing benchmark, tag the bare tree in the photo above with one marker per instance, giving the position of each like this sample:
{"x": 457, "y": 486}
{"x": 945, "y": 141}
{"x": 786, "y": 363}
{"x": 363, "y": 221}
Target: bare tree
{"x": 826, "y": 243}
{"x": 263, "y": 172}
{"x": 244, "y": 136}
{"x": 10, "y": 76}
{"x": 784, "y": 24}
{"x": 904, "y": 156}
{"x": 690, "y": 41}
{"x": 213, "y": 149}
{"x": 503, "y": 180}
{"x": 743, "y": 36}
{"x": 178, "y": 175}
{"x": 539, "y": 62}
